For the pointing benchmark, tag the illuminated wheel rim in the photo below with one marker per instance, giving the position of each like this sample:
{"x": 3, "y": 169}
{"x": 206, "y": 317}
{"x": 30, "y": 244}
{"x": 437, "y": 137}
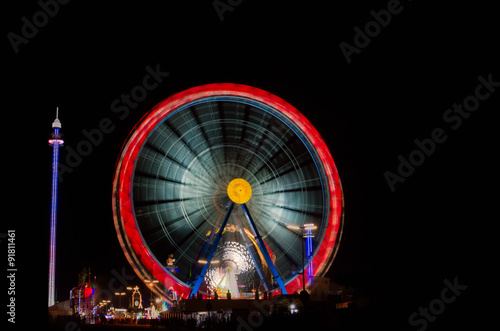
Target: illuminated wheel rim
{"x": 170, "y": 190}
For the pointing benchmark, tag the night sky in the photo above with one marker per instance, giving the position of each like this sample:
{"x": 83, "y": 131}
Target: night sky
{"x": 374, "y": 108}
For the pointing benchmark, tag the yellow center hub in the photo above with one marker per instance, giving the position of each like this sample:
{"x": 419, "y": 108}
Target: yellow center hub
{"x": 239, "y": 191}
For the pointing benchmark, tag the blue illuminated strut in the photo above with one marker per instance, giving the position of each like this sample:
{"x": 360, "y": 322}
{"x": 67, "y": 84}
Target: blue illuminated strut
{"x": 309, "y": 250}
{"x": 55, "y": 142}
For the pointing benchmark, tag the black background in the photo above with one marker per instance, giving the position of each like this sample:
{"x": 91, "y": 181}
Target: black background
{"x": 399, "y": 246}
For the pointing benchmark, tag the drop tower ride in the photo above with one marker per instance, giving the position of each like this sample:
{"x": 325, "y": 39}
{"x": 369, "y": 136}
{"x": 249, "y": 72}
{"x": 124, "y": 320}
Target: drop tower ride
{"x": 55, "y": 142}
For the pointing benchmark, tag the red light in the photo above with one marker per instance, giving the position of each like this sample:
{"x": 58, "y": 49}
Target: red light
{"x": 53, "y": 141}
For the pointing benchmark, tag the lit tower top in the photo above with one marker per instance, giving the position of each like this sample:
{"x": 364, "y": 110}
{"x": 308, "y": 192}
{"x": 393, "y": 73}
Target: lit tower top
{"x": 55, "y": 142}
{"x": 57, "y": 123}
{"x": 56, "y": 138}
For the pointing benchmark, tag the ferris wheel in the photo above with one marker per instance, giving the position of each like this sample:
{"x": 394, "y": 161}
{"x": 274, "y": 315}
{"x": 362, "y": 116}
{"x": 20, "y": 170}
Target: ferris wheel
{"x": 226, "y": 188}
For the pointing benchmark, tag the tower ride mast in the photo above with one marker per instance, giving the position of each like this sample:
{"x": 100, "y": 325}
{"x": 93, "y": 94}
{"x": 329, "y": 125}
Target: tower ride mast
{"x": 55, "y": 142}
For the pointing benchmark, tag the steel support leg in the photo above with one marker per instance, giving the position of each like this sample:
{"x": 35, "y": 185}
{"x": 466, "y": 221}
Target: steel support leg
{"x": 255, "y": 259}
{"x": 264, "y": 251}
{"x": 201, "y": 277}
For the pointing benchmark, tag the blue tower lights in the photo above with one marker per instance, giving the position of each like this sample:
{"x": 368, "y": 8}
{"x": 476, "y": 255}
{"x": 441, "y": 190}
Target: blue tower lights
{"x": 305, "y": 232}
{"x": 309, "y": 250}
{"x": 55, "y": 142}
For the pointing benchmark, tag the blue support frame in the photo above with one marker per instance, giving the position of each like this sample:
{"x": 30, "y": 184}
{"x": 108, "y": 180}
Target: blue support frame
{"x": 201, "y": 277}
{"x": 264, "y": 251}
{"x": 256, "y": 261}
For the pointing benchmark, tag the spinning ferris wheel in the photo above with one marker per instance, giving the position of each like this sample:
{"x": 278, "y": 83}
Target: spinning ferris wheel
{"x": 209, "y": 187}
